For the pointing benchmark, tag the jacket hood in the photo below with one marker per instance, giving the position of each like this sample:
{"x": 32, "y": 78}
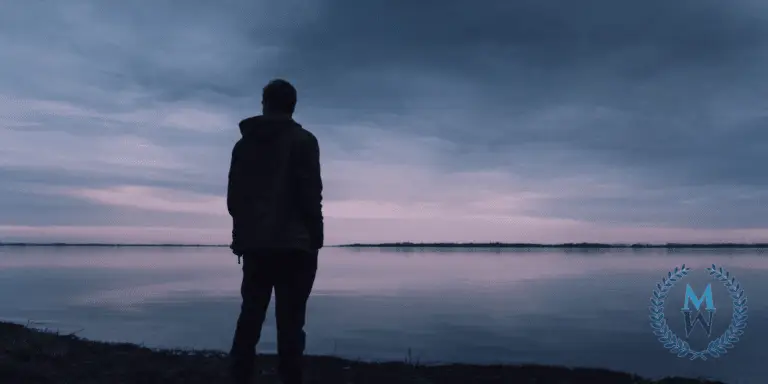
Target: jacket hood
{"x": 265, "y": 126}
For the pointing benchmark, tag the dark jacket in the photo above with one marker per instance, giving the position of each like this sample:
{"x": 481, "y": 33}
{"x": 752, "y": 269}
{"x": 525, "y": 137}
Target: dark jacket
{"x": 275, "y": 190}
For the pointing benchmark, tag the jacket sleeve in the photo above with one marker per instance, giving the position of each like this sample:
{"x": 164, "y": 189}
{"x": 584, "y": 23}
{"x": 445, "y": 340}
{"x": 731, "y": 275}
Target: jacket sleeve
{"x": 235, "y": 194}
{"x": 235, "y": 186}
{"x": 310, "y": 189}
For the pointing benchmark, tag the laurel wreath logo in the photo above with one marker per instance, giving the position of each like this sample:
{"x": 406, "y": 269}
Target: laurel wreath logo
{"x": 716, "y": 347}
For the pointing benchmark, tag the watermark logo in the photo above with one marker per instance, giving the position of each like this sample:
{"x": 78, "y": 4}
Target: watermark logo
{"x": 705, "y": 319}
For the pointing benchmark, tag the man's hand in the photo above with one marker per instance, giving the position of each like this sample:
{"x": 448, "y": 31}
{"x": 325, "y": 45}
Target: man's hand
{"x": 234, "y": 247}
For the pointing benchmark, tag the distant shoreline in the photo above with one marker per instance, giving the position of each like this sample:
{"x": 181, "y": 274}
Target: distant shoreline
{"x": 562, "y": 245}
{"x": 433, "y": 245}
{"x": 111, "y": 245}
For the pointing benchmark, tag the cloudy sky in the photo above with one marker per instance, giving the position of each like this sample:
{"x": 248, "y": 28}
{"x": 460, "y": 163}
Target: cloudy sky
{"x": 498, "y": 120}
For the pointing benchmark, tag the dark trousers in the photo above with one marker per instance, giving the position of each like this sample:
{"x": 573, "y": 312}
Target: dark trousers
{"x": 292, "y": 275}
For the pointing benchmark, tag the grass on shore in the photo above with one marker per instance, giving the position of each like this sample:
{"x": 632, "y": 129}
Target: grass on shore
{"x": 32, "y": 356}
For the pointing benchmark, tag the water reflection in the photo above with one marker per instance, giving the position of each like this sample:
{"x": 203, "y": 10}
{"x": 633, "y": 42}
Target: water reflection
{"x": 577, "y": 308}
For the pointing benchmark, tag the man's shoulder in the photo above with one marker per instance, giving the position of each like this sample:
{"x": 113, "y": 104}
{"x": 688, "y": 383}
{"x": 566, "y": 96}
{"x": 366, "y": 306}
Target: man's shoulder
{"x": 238, "y": 146}
{"x": 304, "y": 136}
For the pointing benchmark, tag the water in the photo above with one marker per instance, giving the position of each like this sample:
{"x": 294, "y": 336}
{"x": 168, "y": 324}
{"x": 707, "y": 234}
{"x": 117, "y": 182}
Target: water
{"x": 585, "y": 308}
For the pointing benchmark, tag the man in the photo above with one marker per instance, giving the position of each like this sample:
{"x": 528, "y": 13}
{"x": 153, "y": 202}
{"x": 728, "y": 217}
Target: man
{"x": 275, "y": 200}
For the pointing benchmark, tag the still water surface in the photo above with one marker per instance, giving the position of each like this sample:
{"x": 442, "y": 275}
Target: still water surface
{"x": 585, "y": 308}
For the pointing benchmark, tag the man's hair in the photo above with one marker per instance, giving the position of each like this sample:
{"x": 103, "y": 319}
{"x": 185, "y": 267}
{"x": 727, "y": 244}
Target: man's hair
{"x": 279, "y": 96}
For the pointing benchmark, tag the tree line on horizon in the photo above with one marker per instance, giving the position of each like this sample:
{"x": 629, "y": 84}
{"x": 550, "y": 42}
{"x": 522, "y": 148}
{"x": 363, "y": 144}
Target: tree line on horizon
{"x": 563, "y": 245}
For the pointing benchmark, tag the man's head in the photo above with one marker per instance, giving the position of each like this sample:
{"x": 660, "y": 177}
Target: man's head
{"x": 278, "y": 98}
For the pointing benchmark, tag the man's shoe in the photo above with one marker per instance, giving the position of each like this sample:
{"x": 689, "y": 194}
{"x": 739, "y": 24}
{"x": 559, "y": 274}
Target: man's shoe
{"x": 241, "y": 373}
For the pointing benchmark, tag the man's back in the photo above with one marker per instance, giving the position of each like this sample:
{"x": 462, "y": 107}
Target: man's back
{"x": 275, "y": 188}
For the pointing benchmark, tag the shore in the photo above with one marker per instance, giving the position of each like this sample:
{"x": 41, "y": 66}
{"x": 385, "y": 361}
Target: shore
{"x": 34, "y": 356}
{"x": 566, "y": 246}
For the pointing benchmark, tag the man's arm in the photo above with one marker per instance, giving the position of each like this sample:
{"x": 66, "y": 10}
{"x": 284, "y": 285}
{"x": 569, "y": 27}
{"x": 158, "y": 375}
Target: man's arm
{"x": 235, "y": 193}
{"x": 310, "y": 189}
{"x": 235, "y": 185}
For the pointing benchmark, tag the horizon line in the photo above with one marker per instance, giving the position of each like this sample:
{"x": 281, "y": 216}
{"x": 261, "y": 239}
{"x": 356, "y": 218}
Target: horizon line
{"x": 422, "y": 245}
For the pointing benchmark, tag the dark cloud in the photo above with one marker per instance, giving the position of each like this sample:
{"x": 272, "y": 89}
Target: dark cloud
{"x": 534, "y": 48}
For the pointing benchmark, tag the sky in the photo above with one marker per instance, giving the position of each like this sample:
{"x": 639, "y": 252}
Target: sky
{"x": 499, "y": 120}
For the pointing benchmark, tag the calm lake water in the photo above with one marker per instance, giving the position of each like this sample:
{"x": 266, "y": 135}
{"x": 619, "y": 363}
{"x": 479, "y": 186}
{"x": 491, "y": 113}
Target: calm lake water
{"x": 578, "y": 308}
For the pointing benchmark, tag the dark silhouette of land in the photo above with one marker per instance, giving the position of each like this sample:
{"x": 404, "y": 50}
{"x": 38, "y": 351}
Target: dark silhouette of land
{"x": 560, "y": 246}
{"x": 22, "y": 244}
{"x": 34, "y": 356}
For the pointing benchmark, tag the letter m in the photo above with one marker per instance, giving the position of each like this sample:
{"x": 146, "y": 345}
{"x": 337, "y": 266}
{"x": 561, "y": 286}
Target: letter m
{"x": 690, "y": 296}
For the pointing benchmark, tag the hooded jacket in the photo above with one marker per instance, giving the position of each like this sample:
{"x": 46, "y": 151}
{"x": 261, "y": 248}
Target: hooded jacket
{"x": 275, "y": 189}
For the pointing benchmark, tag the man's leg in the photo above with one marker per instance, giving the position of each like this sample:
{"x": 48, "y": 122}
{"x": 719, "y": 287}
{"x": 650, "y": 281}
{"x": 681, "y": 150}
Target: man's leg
{"x": 292, "y": 289}
{"x": 256, "y": 290}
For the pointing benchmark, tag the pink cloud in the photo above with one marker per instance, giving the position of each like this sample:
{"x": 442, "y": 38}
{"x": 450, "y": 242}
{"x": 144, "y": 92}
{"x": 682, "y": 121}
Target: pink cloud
{"x": 153, "y": 199}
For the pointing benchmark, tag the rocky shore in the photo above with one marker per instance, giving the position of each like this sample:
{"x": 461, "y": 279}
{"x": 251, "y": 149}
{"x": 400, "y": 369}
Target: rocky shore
{"x": 33, "y": 356}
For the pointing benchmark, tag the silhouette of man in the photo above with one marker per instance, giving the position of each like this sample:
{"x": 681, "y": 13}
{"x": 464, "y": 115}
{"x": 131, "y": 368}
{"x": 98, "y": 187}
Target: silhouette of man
{"x": 275, "y": 199}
